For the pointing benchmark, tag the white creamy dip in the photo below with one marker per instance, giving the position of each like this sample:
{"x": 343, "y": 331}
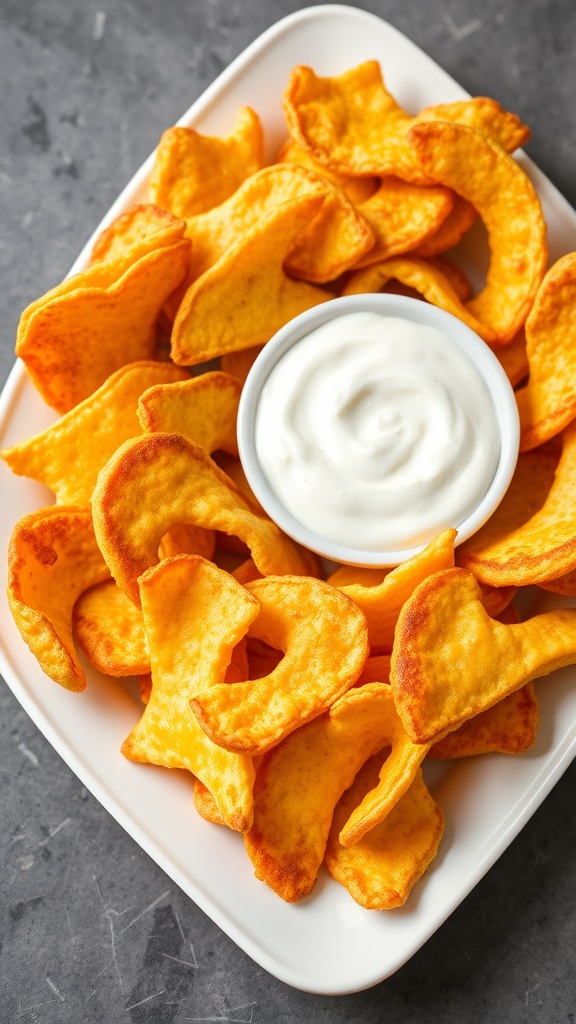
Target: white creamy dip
{"x": 377, "y": 432}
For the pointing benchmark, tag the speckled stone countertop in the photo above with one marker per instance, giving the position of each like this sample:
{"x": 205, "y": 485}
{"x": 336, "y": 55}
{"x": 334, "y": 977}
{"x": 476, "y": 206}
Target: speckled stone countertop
{"x": 91, "y": 929}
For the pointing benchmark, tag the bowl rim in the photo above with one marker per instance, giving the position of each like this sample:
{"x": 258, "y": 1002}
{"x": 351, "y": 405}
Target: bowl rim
{"x": 464, "y": 338}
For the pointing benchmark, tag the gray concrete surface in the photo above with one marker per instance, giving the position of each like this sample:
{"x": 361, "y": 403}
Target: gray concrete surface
{"x": 91, "y": 929}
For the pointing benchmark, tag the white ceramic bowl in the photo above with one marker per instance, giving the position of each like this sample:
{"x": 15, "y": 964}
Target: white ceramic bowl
{"x": 497, "y": 383}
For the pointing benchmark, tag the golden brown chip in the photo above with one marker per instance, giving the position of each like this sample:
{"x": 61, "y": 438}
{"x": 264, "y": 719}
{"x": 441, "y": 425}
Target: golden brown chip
{"x": 75, "y": 336}
{"x": 483, "y": 173}
{"x": 425, "y": 277}
{"x": 381, "y": 870}
{"x": 358, "y": 190}
{"x": 452, "y": 230}
{"x": 530, "y": 537}
{"x": 53, "y": 556}
{"x": 110, "y": 630}
{"x": 352, "y": 123}
{"x": 69, "y": 454}
{"x": 486, "y": 116}
{"x": 157, "y": 481}
{"x": 548, "y": 402}
{"x": 401, "y": 216}
{"x": 381, "y": 594}
{"x": 451, "y": 660}
{"x": 203, "y": 409}
{"x": 142, "y": 225}
{"x": 330, "y": 243}
{"x": 195, "y": 172}
{"x": 508, "y": 727}
{"x": 324, "y": 638}
{"x": 211, "y": 321}
{"x": 300, "y": 782}
{"x": 194, "y": 616}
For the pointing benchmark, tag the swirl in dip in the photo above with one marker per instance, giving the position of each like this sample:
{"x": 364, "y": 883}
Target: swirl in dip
{"x": 377, "y": 432}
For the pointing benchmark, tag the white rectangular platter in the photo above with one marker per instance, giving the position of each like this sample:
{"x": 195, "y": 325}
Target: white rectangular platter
{"x": 326, "y": 943}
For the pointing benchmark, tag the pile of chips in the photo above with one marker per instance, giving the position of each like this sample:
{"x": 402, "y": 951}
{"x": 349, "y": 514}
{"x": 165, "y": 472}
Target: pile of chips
{"x": 303, "y": 707}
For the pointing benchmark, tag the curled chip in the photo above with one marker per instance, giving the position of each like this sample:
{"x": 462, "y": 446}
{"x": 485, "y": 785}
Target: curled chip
{"x": 451, "y": 660}
{"x": 144, "y": 225}
{"x": 160, "y": 480}
{"x": 211, "y": 321}
{"x": 53, "y": 556}
{"x": 334, "y": 240}
{"x": 508, "y": 727}
{"x": 110, "y": 630}
{"x": 548, "y": 403}
{"x": 203, "y": 409}
{"x": 79, "y": 333}
{"x": 486, "y": 116}
{"x": 530, "y": 537}
{"x": 483, "y": 173}
{"x": 194, "y": 616}
{"x": 380, "y": 871}
{"x": 451, "y": 231}
{"x": 324, "y": 639}
{"x": 299, "y": 783}
{"x": 427, "y": 278}
{"x": 401, "y": 216}
{"x": 69, "y": 454}
{"x": 502, "y": 127}
{"x": 358, "y": 190}
{"x": 381, "y": 594}
{"x": 194, "y": 172}
{"x": 352, "y": 123}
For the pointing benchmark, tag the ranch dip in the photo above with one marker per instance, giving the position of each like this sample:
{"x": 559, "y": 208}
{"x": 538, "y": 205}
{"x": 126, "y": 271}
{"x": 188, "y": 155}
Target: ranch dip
{"x": 377, "y": 432}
